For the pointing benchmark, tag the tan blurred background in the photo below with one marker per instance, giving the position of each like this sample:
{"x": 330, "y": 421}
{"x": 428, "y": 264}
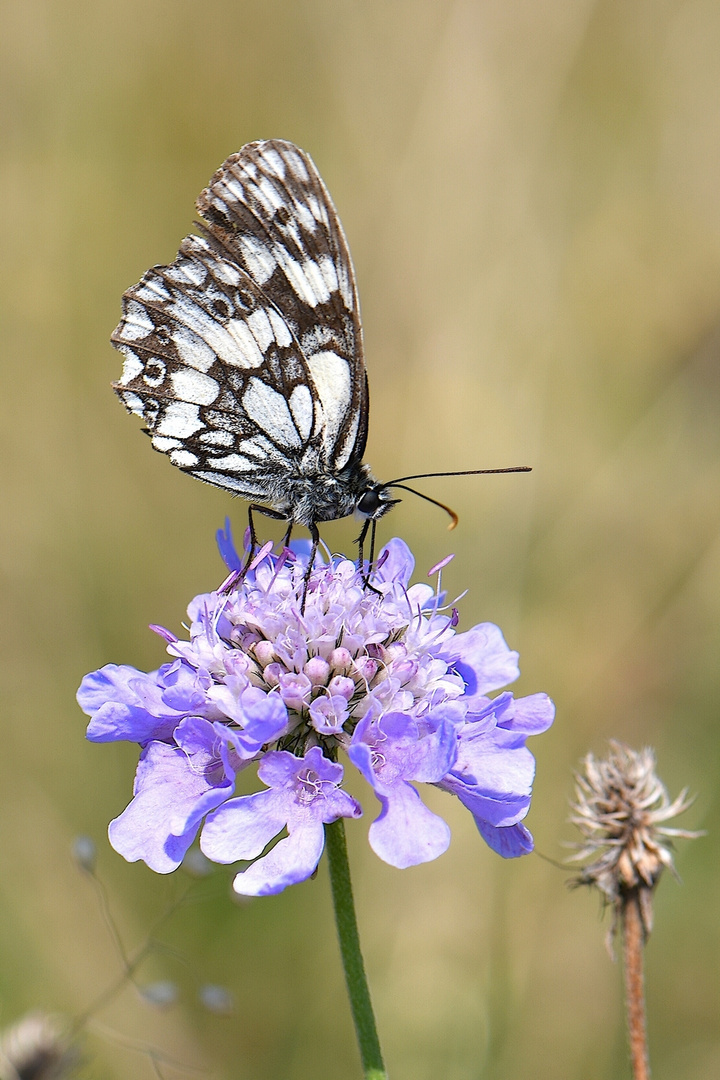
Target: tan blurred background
{"x": 531, "y": 193}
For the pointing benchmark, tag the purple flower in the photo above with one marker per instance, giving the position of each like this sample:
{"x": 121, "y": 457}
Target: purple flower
{"x": 302, "y": 794}
{"x": 380, "y": 674}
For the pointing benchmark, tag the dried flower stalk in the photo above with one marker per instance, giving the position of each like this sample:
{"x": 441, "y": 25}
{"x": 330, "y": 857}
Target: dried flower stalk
{"x": 620, "y": 808}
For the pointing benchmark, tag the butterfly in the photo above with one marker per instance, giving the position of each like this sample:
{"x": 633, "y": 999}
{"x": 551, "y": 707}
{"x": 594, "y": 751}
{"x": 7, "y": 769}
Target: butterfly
{"x": 244, "y": 356}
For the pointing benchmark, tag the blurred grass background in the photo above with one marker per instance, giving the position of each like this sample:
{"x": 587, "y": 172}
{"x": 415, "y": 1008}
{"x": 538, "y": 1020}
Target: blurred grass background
{"x": 532, "y": 197}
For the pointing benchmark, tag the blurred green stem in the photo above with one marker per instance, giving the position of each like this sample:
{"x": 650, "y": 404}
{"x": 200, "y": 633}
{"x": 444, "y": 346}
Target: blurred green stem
{"x": 355, "y": 978}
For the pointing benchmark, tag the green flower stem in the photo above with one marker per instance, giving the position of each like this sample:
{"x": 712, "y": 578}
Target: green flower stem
{"x": 355, "y": 978}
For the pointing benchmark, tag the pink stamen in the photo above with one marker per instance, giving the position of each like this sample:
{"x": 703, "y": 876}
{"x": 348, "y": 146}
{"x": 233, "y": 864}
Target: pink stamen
{"x": 230, "y": 580}
{"x": 440, "y": 565}
{"x": 262, "y": 553}
{"x": 285, "y": 555}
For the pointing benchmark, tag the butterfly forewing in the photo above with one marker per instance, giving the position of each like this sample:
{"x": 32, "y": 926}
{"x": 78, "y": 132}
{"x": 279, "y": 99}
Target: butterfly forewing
{"x": 244, "y": 356}
{"x": 269, "y": 210}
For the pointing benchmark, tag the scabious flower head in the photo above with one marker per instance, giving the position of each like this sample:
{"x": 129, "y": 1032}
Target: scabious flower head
{"x": 291, "y": 680}
{"x": 620, "y": 808}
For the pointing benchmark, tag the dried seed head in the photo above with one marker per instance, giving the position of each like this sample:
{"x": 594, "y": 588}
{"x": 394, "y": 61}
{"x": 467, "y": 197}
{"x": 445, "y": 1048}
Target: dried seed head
{"x": 36, "y": 1047}
{"x": 620, "y": 806}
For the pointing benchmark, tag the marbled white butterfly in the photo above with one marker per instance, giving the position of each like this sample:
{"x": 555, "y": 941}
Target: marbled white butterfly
{"x": 244, "y": 356}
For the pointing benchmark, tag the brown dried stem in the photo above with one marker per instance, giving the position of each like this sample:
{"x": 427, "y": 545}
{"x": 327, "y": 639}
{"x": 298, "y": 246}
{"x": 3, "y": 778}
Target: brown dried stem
{"x": 633, "y": 943}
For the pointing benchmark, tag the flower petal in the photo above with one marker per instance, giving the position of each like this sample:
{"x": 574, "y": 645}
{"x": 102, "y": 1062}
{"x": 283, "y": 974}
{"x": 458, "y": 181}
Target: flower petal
{"x": 125, "y": 703}
{"x": 406, "y": 833}
{"x": 530, "y": 715}
{"x": 510, "y": 843}
{"x": 396, "y": 562}
{"x": 226, "y": 547}
{"x": 171, "y": 798}
{"x": 483, "y": 659}
{"x": 243, "y": 827}
{"x": 292, "y": 860}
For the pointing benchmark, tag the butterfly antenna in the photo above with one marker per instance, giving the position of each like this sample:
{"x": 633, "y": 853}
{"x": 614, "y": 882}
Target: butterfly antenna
{"x": 451, "y": 513}
{"x": 464, "y": 472}
{"x": 400, "y": 483}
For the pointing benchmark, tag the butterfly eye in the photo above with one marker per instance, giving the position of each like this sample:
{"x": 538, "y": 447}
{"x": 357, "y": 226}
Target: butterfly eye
{"x": 369, "y": 503}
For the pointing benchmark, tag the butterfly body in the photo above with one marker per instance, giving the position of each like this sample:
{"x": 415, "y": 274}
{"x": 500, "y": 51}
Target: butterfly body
{"x": 311, "y": 495}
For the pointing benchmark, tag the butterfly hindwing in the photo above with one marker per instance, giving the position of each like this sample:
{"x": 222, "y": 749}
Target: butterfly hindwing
{"x": 214, "y": 371}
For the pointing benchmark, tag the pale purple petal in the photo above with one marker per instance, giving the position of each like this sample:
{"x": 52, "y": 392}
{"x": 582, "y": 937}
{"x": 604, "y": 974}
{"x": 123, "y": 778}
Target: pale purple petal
{"x": 433, "y": 755}
{"x": 125, "y": 703}
{"x": 295, "y": 688}
{"x": 291, "y": 861}
{"x": 496, "y": 811}
{"x": 397, "y": 562}
{"x": 329, "y": 713}
{"x": 388, "y": 753}
{"x": 303, "y": 794}
{"x": 262, "y": 716}
{"x": 510, "y": 843}
{"x": 406, "y": 833}
{"x": 483, "y": 659}
{"x": 173, "y": 791}
{"x": 497, "y": 763}
{"x": 529, "y": 715}
{"x": 243, "y": 827}
{"x": 401, "y": 751}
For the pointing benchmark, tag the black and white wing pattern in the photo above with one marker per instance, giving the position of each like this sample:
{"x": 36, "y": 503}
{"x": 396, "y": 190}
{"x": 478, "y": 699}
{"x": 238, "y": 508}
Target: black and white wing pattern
{"x": 244, "y": 356}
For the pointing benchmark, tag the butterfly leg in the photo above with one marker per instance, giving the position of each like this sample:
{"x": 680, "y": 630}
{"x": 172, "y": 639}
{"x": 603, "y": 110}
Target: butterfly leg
{"x": 315, "y": 537}
{"x": 253, "y": 536}
{"x": 371, "y": 560}
{"x": 361, "y": 543}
